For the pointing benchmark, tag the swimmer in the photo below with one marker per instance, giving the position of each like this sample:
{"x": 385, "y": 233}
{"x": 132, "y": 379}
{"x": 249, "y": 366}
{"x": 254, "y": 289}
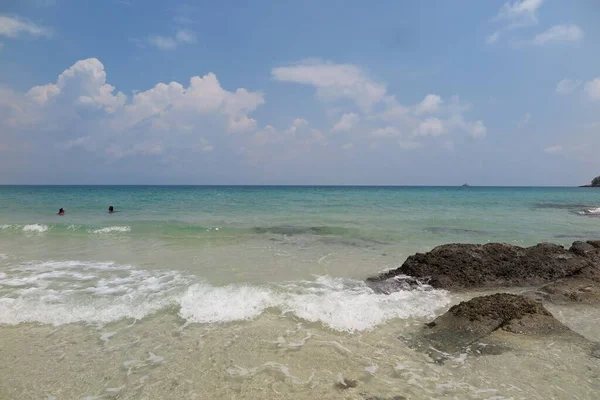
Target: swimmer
{"x": 61, "y": 211}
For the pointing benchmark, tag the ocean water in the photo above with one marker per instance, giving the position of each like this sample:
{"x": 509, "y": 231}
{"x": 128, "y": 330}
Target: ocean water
{"x": 258, "y": 292}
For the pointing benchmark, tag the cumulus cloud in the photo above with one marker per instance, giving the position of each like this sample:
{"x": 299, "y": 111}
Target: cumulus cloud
{"x": 14, "y": 27}
{"x": 430, "y": 105}
{"x": 346, "y": 122}
{"x": 153, "y": 122}
{"x": 178, "y": 125}
{"x": 592, "y": 89}
{"x": 567, "y": 86}
{"x": 85, "y": 83}
{"x": 334, "y": 82}
{"x": 172, "y": 42}
{"x": 431, "y": 127}
{"x": 477, "y": 129}
{"x": 558, "y": 34}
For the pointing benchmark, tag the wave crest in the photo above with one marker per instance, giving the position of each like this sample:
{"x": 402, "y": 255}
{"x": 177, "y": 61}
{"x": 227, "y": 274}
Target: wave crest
{"x": 63, "y": 292}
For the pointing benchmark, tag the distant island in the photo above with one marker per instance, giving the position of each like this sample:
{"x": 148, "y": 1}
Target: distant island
{"x": 595, "y": 182}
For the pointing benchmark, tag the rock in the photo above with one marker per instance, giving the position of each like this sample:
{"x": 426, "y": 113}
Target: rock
{"x": 471, "y": 321}
{"x": 464, "y": 266}
{"x": 574, "y": 290}
{"x": 595, "y": 182}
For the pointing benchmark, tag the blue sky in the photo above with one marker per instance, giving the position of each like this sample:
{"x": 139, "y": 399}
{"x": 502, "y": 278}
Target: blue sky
{"x": 313, "y": 92}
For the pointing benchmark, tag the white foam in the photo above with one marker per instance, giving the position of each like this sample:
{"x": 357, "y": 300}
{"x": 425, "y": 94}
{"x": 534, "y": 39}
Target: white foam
{"x": 73, "y": 291}
{"x": 112, "y": 229}
{"x": 62, "y": 292}
{"x": 341, "y": 304}
{"x": 594, "y": 211}
{"x": 204, "y": 303}
{"x": 39, "y": 228}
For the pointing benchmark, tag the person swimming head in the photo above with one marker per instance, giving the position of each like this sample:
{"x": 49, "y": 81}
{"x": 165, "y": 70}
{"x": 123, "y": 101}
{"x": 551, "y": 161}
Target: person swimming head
{"x": 111, "y": 209}
{"x": 61, "y": 211}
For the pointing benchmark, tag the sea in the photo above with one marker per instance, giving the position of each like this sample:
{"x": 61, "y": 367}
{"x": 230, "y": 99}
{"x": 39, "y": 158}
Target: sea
{"x": 258, "y": 292}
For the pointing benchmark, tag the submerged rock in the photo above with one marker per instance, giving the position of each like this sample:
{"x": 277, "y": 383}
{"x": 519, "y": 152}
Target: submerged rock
{"x": 574, "y": 290}
{"x": 470, "y": 322}
{"x": 464, "y": 266}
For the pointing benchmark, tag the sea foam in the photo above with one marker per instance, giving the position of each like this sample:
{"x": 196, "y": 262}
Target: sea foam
{"x": 341, "y": 304}
{"x": 113, "y": 229}
{"x": 39, "y": 228}
{"x": 62, "y": 292}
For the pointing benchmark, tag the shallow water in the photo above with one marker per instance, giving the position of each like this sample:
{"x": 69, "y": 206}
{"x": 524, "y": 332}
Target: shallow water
{"x": 249, "y": 292}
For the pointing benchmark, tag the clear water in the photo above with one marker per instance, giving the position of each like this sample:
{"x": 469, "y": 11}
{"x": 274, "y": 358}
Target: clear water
{"x": 254, "y": 292}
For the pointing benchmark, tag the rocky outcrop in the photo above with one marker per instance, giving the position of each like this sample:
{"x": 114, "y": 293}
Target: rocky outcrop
{"x": 595, "y": 182}
{"x": 472, "y": 322}
{"x": 493, "y": 324}
{"x": 470, "y": 266}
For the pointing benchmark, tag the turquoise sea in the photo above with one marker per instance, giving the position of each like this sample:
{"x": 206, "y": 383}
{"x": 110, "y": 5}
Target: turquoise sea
{"x": 256, "y": 289}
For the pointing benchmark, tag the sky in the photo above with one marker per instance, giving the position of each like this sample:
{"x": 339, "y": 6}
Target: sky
{"x": 286, "y": 92}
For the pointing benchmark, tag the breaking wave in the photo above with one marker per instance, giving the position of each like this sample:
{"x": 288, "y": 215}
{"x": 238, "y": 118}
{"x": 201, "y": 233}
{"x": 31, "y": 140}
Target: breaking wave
{"x": 63, "y": 292}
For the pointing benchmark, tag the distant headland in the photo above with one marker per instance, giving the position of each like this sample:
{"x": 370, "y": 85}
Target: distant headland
{"x": 595, "y": 182}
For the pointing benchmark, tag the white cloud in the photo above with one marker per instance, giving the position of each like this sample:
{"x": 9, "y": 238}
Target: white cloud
{"x": 514, "y": 15}
{"x": 553, "y": 149}
{"x": 348, "y": 146}
{"x": 493, "y": 38}
{"x": 335, "y": 81}
{"x": 85, "y": 82}
{"x": 558, "y": 34}
{"x": 524, "y": 121}
{"x": 567, "y": 86}
{"x": 477, "y": 129}
{"x": 168, "y": 117}
{"x": 14, "y": 27}
{"x": 430, "y": 105}
{"x": 593, "y": 89}
{"x": 170, "y": 42}
{"x": 173, "y": 104}
{"x": 346, "y": 122}
{"x": 520, "y": 12}
{"x": 163, "y": 42}
{"x": 430, "y": 127}
{"x": 296, "y": 125}
{"x": 185, "y": 37}
{"x": 388, "y": 131}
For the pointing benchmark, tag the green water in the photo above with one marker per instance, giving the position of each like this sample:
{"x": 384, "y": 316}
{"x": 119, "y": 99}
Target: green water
{"x": 258, "y": 292}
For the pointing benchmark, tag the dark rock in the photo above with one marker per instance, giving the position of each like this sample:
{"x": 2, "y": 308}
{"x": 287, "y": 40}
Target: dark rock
{"x": 463, "y": 266}
{"x": 596, "y": 352}
{"x": 469, "y": 322}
